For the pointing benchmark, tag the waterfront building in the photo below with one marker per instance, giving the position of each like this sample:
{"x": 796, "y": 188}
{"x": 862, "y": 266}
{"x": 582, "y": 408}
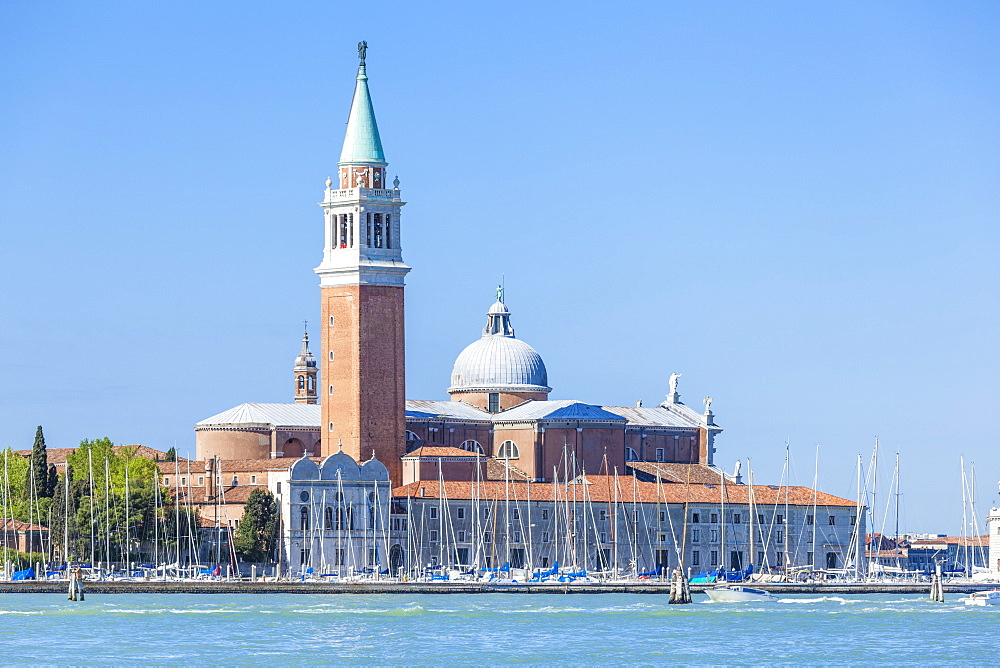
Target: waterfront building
{"x": 498, "y": 474}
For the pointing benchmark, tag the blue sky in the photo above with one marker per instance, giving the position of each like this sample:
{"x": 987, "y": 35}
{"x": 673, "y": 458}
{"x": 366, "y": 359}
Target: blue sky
{"x": 793, "y": 204}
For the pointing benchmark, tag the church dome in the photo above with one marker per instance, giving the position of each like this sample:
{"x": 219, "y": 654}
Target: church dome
{"x": 498, "y": 362}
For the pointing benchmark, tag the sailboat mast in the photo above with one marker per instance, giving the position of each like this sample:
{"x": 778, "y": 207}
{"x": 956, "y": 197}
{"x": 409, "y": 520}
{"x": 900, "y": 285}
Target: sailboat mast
{"x": 965, "y": 518}
{"x": 753, "y": 517}
{"x": 815, "y": 519}
{"x": 90, "y": 466}
{"x": 722, "y": 512}
{"x": 66, "y": 516}
{"x": 896, "y": 531}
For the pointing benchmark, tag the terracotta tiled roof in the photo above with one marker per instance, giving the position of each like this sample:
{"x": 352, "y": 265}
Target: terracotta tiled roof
{"x": 678, "y": 472}
{"x": 962, "y": 541}
{"x": 201, "y": 496}
{"x": 9, "y": 524}
{"x": 497, "y": 469}
{"x": 59, "y": 455}
{"x": 887, "y": 554}
{"x": 601, "y": 489}
{"x": 230, "y": 466}
{"x": 440, "y": 451}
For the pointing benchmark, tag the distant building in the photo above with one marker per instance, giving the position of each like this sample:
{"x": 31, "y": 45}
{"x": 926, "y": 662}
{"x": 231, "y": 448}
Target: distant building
{"x": 23, "y": 536}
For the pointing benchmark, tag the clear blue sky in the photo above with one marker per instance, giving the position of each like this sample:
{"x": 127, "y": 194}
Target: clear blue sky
{"x": 793, "y": 204}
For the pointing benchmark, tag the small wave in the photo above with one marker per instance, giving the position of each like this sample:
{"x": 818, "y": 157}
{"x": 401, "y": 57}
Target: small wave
{"x": 21, "y": 612}
{"x": 821, "y": 599}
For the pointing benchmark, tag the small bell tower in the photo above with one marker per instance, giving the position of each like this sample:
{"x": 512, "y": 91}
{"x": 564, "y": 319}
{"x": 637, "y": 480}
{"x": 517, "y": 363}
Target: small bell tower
{"x": 305, "y": 373}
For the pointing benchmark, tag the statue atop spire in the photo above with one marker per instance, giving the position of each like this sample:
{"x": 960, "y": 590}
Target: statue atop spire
{"x": 362, "y": 144}
{"x": 500, "y": 294}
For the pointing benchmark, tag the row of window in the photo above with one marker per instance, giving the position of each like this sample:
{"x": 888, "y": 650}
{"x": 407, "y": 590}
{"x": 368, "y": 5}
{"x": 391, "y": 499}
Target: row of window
{"x": 661, "y": 453}
{"x": 737, "y": 518}
{"x": 183, "y": 481}
{"x": 339, "y": 518}
{"x": 508, "y": 449}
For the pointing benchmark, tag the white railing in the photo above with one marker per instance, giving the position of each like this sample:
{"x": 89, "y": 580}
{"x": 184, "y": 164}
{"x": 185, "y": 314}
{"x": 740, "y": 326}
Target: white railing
{"x": 369, "y": 193}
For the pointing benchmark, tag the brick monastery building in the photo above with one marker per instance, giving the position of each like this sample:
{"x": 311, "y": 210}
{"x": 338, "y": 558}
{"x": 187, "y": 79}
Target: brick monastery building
{"x": 366, "y": 477}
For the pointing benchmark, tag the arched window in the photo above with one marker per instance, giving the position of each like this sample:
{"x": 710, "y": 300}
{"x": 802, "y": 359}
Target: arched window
{"x": 302, "y": 382}
{"x": 631, "y": 455}
{"x": 388, "y": 243}
{"x": 304, "y": 519}
{"x": 378, "y": 230}
{"x": 343, "y": 519}
{"x": 331, "y": 321}
{"x": 508, "y": 450}
{"x": 236, "y": 480}
{"x": 473, "y": 446}
{"x": 331, "y": 355}
{"x": 328, "y": 518}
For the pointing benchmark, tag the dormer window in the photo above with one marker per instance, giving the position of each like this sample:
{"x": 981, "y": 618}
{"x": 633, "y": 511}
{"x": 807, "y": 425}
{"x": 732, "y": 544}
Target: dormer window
{"x": 494, "y": 402}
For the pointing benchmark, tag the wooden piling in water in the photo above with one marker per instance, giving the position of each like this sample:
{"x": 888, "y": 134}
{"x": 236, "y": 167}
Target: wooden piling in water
{"x": 937, "y": 587}
{"x": 75, "y": 585}
{"x": 680, "y": 590}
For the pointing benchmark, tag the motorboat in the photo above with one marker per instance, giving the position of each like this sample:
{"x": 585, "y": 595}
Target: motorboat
{"x": 739, "y": 594}
{"x": 991, "y": 597}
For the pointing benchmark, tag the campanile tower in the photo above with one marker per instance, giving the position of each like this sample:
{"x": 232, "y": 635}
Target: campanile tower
{"x": 362, "y": 389}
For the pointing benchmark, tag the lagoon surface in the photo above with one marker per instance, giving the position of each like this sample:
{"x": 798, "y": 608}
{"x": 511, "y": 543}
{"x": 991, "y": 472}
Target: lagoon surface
{"x": 462, "y": 629}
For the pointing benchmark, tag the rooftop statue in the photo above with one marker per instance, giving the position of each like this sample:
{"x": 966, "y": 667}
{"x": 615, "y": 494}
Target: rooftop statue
{"x": 708, "y": 404}
{"x": 362, "y": 50}
{"x": 673, "y": 382}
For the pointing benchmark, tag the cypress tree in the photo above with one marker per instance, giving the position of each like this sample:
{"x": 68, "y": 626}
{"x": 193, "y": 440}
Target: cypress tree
{"x": 170, "y": 455}
{"x": 38, "y": 468}
{"x": 53, "y": 482}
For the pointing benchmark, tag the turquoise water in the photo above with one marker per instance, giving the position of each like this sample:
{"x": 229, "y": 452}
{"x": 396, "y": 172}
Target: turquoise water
{"x": 461, "y": 629}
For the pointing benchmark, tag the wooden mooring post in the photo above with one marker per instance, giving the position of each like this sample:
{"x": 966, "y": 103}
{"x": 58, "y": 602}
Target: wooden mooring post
{"x": 937, "y": 587}
{"x": 680, "y": 590}
{"x": 75, "y": 585}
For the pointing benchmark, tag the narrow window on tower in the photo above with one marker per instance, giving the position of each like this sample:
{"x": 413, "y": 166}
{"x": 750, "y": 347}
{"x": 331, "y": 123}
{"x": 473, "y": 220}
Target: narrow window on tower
{"x": 368, "y": 228}
{"x": 378, "y": 230}
{"x": 388, "y": 243}
{"x": 350, "y": 230}
{"x": 343, "y": 231}
{"x": 331, "y": 394}
{"x": 330, "y": 427}
{"x": 331, "y": 355}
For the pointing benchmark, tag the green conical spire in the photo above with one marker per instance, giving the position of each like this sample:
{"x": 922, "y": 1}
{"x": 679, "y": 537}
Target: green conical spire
{"x": 362, "y": 143}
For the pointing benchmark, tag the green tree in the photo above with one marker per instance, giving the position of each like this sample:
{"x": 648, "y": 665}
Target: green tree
{"x": 36, "y": 479}
{"x": 258, "y": 531}
{"x": 63, "y": 522}
{"x": 120, "y": 519}
{"x": 170, "y": 455}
